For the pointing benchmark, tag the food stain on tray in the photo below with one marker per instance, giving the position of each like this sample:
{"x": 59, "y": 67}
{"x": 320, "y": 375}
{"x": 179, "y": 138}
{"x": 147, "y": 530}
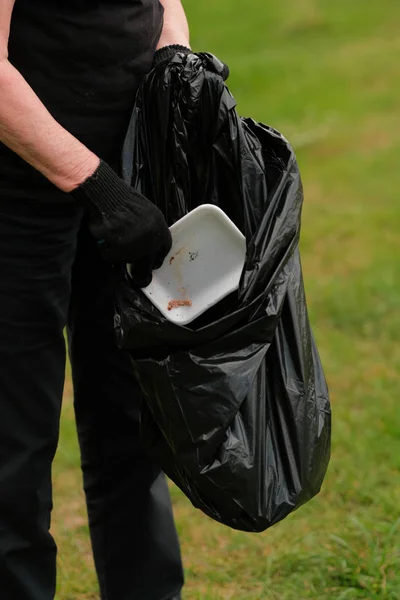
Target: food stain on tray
{"x": 180, "y": 288}
{"x": 178, "y": 303}
{"x": 177, "y": 254}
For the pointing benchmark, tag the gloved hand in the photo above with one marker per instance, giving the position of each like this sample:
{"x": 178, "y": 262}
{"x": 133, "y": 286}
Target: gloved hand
{"x": 166, "y": 53}
{"x": 128, "y": 226}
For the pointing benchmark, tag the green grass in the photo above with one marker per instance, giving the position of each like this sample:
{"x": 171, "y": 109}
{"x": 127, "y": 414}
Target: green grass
{"x": 326, "y": 74}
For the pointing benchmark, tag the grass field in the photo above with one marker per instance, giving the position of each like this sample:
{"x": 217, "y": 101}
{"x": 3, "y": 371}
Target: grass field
{"x": 325, "y": 73}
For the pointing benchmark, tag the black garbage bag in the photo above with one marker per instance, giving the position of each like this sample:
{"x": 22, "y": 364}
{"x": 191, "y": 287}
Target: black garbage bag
{"x": 235, "y": 406}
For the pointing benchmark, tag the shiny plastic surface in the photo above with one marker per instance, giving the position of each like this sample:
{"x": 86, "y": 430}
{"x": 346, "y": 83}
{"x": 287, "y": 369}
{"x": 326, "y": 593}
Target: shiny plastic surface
{"x": 236, "y": 407}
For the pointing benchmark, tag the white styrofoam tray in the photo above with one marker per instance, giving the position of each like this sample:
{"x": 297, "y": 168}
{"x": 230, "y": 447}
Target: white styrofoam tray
{"x": 204, "y": 265}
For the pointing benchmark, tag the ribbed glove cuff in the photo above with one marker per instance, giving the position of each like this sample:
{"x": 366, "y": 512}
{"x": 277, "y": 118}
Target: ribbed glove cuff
{"x": 168, "y": 52}
{"x": 104, "y": 189}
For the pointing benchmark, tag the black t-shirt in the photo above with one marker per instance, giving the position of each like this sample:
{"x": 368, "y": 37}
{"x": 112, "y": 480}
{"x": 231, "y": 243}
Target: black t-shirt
{"x": 85, "y": 60}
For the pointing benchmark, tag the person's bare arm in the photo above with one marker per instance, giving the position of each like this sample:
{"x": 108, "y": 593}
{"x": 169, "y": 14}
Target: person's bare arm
{"x": 176, "y": 28}
{"x": 28, "y": 128}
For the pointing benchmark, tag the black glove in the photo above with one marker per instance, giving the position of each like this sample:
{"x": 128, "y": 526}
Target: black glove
{"x": 213, "y": 63}
{"x": 128, "y": 226}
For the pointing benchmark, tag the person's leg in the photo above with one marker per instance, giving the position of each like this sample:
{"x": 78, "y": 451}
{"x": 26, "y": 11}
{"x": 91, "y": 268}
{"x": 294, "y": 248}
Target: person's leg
{"x": 37, "y": 247}
{"x": 135, "y": 544}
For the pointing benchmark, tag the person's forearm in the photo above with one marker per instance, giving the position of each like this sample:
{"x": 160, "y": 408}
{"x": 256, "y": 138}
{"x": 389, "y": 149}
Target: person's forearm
{"x": 176, "y": 28}
{"x": 28, "y": 129}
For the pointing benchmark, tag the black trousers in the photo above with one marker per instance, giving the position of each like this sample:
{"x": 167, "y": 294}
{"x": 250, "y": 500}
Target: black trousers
{"x": 51, "y": 275}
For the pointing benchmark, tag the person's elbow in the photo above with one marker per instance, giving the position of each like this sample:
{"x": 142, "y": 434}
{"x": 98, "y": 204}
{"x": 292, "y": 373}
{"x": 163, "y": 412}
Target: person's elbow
{"x": 3, "y": 48}
{"x": 6, "y": 71}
